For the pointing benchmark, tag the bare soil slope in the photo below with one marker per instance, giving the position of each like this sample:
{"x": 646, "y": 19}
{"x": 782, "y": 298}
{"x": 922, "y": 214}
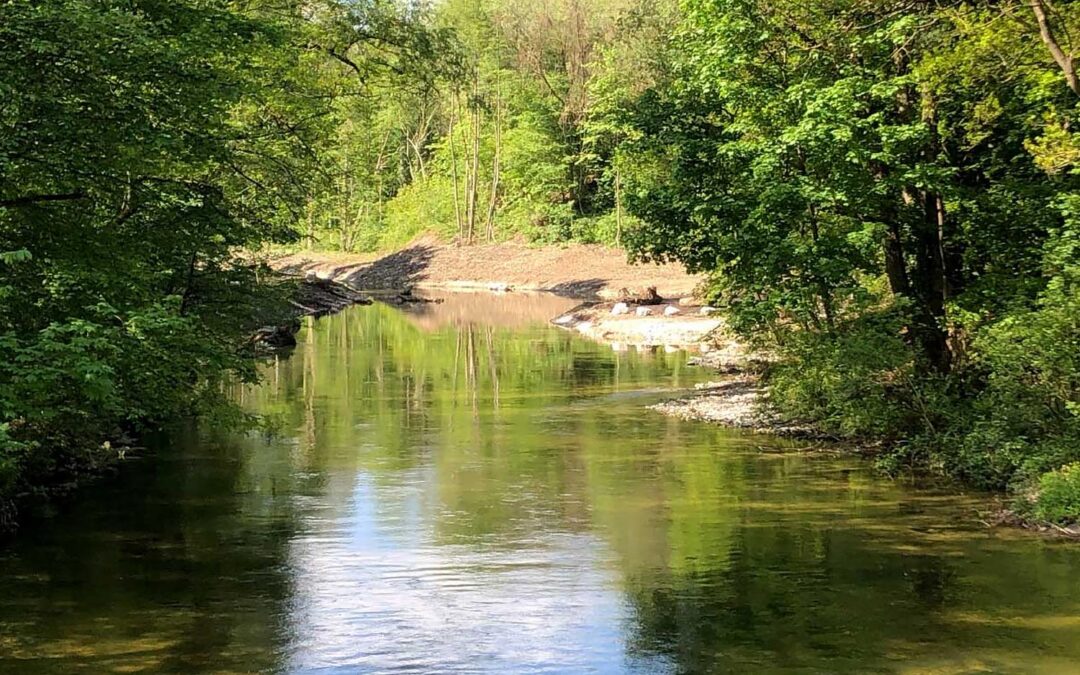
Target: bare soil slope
{"x": 574, "y": 270}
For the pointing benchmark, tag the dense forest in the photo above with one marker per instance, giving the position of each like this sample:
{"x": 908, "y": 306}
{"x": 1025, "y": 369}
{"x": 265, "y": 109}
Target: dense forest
{"x": 884, "y": 193}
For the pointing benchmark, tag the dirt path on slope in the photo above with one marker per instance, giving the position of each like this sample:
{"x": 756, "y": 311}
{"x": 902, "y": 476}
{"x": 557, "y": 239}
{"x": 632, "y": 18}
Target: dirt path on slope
{"x": 575, "y": 270}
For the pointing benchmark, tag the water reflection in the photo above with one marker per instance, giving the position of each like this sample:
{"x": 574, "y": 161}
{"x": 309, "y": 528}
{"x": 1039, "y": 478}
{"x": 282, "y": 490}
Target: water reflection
{"x": 450, "y": 494}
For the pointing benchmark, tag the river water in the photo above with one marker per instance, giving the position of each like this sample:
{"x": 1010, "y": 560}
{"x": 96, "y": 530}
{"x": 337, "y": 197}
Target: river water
{"x": 463, "y": 488}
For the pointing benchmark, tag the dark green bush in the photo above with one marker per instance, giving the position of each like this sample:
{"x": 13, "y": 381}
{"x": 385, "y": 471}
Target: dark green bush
{"x": 854, "y": 382}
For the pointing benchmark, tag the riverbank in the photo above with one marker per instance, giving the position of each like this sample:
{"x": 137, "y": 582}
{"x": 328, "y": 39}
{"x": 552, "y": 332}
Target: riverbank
{"x": 574, "y": 270}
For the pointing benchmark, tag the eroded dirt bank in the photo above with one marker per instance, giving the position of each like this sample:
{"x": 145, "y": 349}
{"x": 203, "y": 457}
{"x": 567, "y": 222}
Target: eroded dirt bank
{"x": 575, "y": 270}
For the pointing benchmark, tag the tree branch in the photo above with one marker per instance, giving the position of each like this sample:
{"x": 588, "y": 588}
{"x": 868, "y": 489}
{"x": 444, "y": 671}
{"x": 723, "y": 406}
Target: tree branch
{"x": 35, "y": 199}
{"x": 1063, "y": 60}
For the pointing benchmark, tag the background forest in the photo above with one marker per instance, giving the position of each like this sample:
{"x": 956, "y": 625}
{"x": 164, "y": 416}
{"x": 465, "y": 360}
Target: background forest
{"x": 885, "y": 193}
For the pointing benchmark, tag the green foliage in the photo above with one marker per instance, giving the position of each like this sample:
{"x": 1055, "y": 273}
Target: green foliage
{"x": 1027, "y": 416}
{"x": 503, "y": 127}
{"x": 145, "y": 146}
{"x": 853, "y": 382}
{"x": 898, "y": 223}
{"x": 425, "y": 206}
{"x": 1058, "y": 500}
{"x": 888, "y": 195}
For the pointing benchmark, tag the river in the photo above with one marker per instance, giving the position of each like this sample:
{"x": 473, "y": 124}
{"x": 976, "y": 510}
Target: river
{"x": 464, "y": 488}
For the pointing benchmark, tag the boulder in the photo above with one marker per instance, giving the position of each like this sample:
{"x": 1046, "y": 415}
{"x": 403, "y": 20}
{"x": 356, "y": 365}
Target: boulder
{"x": 620, "y": 308}
{"x": 707, "y": 311}
{"x": 643, "y": 311}
{"x": 671, "y": 310}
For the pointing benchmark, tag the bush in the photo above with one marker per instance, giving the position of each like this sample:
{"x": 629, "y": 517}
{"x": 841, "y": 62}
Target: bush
{"x": 855, "y": 382}
{"x": 1058, "y": 500}
{"x": 72, "y": 388}
{"x": 1026, "y": 418}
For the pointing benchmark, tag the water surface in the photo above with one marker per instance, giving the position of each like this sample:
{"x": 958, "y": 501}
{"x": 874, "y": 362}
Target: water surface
{"x": 463, "y": 488}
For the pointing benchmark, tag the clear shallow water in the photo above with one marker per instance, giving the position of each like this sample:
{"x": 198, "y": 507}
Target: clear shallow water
{"x": 449, "y": 494}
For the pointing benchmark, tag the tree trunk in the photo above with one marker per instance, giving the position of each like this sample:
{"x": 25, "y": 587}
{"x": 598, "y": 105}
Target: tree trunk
{"x": 895, "y": 267}
{"x": 454, "y": 170}
{"x": 474, "y": 177}
{"x": 618, "y": 208}
{"x": 495, "y": 170}
{"x": 929, "y": 283}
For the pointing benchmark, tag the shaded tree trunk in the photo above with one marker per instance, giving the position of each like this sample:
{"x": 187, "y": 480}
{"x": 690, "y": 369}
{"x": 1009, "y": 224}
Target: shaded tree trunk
{"x": 928, "y": 282}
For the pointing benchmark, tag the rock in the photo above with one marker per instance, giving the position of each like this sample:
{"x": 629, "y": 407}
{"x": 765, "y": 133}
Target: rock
{"x": 671, "y": 310}
{"x": 620, "y": 308}
{"x": 643, "y": 311}
{"x": 563, "y": 320}
{"x": 707, "y": 311}
{"x": 276, "y": 337}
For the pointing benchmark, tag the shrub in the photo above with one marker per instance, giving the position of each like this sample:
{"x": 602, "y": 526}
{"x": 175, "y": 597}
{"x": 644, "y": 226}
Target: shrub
{"x": 855, "y": 382}
{"x": 1058, "y": 500}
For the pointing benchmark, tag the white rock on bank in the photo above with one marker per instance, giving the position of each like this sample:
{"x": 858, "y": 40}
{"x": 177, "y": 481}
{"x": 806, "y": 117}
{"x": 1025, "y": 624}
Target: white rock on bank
{"x": 707, "y": 311}
{"x": 565, "y": 319}
{"x": 671, "y": 310}
{"x": 643, "y": 311}
{"x": 620, "y": 308}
